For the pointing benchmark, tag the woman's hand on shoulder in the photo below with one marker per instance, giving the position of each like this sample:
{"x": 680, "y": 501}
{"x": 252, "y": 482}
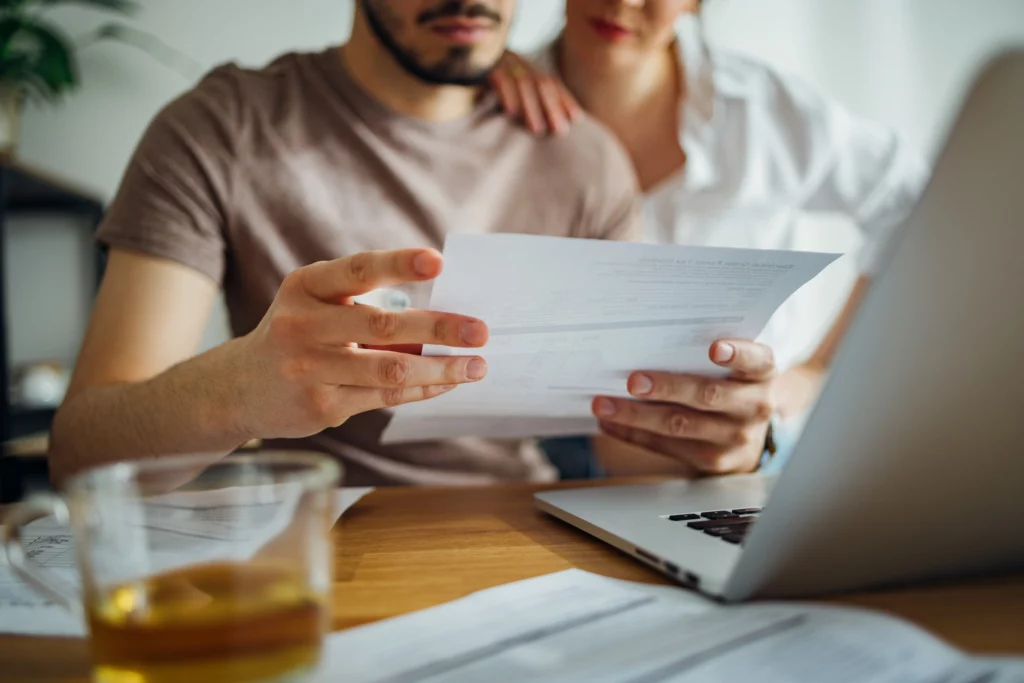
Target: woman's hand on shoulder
{"x": 538, "y": 99}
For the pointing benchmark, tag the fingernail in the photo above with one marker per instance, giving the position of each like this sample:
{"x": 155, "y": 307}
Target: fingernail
{"x": 604, "y": 407}
{"x": 424, "y": 264}
{"x": 474, "y": 333}
{"x": 476, "y": 369}
{"x": 445, "y": 387}
{"x": 641, "y": 385}
{"x": 723, "y": 352}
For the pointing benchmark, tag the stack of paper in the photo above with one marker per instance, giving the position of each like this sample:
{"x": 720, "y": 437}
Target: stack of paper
{"x": 572, "y": 318}
{"x": 578, "y": 627}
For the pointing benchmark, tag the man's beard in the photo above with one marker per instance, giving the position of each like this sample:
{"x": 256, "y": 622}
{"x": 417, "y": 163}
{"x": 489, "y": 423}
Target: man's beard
{"x": 455, "y": 68}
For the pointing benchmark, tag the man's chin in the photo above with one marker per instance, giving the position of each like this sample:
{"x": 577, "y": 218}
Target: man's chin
{"x": 470, "y": 79}
{"x": 453, "y": 70}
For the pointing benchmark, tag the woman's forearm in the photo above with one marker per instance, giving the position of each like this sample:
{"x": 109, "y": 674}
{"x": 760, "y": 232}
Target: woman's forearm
{"x": 797, "y": 388}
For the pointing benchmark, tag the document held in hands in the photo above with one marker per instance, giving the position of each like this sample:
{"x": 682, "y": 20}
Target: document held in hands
{"x": 572, "y": 318}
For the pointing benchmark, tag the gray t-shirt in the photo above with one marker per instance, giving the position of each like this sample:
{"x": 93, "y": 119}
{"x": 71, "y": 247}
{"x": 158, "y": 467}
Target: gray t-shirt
{"x": 255, "y": 173}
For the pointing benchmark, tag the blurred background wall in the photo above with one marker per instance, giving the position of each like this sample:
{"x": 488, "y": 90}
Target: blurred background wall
{"x": 903, "y": 62}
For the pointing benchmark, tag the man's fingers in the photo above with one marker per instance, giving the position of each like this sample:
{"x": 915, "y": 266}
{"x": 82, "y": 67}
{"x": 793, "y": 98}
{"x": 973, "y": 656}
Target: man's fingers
{"x": 332, "y": 326}
{"x": 748, "y": 360}
{"x": 369, "y": 325}
{"x": 388, "y": 369}
{"x": 741, "y": 400}
{"x": 554, "y": 107}
{"x": 677, "y": 422}
{"x": 703, "y": 457}
{"x": 361, "y": 399}
{"x": 333, "y": 281}
{"x": 412, "y": 349}
{"x": 637, "y": 437}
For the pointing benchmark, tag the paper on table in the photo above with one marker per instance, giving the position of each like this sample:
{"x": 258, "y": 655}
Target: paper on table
{"x": 571, "y": 318}
{"x": 345, "y": 498}
{"x": 194, "y": 523}
{"x": 575, "y": 626}
{"x": 22, "y": 609}
{"x": 484, "y": 628}
{"x": 987, "y": 670}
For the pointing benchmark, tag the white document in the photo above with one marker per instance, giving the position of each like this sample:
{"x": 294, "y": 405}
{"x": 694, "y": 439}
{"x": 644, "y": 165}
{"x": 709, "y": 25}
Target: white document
{"x": 189, "y": 525}
{"x": 574, "y": 626}
{"x": 22, "y": 609}
{"x": 987, "y": 670}
{"x": 345, "y": 498}
{"x": 572, "y": 318}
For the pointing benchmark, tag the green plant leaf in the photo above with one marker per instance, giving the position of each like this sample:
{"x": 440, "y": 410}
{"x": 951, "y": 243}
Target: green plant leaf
{"x": 9, "y": 26}
{"x": 15, "y": 66}
{"x": 39, "y": 57}
{"x": 122, "y": 6}
{"x": 9, "y": 5}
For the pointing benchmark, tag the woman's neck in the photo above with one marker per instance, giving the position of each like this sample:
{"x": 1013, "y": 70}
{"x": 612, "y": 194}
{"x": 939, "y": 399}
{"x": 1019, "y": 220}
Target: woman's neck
{"x": 638, "y": 101}
{"x": 617, "y": 93}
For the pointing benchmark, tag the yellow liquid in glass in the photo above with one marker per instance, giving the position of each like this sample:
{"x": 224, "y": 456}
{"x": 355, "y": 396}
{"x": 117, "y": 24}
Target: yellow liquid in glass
{"x": 224, "y": 623}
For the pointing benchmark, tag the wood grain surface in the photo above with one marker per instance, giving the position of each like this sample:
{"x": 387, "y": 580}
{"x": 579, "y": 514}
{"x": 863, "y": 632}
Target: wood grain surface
{"x": 405, "y": 549}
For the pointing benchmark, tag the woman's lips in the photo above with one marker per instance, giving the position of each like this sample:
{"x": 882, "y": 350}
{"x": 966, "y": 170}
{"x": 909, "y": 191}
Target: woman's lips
{"x": 610, "y": 30}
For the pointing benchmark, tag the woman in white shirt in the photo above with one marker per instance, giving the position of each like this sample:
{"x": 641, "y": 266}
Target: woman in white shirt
{"x": 727, "y": 153}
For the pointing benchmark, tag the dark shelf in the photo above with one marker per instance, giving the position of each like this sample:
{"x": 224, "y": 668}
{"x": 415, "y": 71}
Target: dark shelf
{"x": 24, "y": 189}
{"x": 31, "y": 190}
{"x": 25, "y": 421}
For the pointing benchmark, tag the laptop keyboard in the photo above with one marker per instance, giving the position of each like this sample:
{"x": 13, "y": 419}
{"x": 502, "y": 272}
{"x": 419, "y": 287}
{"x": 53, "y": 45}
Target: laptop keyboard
{"x": 729, "y": 525}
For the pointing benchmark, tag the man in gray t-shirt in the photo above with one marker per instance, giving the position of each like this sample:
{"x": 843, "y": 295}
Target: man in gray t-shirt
{"x": 388, "y": 142}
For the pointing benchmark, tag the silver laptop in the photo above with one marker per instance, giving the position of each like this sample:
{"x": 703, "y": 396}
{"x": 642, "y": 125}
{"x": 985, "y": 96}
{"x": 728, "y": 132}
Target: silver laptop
{"x": 911, "y": 465}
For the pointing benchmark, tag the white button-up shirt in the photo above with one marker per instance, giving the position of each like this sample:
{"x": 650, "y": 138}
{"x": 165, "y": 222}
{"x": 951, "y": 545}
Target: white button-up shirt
{"x": 770, "y": 164}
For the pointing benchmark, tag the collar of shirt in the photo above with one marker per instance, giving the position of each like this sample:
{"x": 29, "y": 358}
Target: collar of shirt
{"x": 697, "y": 111}
{"x": 764, "y": 148}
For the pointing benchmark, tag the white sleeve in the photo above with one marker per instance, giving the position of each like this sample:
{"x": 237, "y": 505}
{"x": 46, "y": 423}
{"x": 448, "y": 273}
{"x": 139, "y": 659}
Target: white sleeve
{"x": 858, "y": 168}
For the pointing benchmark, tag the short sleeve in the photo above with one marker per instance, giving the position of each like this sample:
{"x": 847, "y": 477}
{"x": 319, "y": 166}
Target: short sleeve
{"x": 174, "y": 198}
{"x": 613, "y": 209}
{"x": 612, "y": 205}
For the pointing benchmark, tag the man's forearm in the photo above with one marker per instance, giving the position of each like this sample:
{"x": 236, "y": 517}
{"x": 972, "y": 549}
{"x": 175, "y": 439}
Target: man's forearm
{"x": 190, "y": 408}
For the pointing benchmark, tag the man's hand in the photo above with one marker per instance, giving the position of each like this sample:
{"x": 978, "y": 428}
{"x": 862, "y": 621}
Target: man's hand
{"x": 305, "y": 368}
{"x": 713, "y": 426}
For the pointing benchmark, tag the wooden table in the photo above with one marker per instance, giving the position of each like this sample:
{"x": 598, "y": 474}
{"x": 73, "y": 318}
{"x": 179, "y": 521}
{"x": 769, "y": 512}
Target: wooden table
{"x": 401, "y": 550}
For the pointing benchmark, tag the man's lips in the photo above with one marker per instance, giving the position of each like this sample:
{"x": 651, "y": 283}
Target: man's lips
{"x": 463, "y": 31}
{"x": 610, "y": 30}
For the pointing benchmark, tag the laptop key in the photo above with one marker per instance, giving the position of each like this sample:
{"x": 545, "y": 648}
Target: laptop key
{"x": 683, "y": 517}
{"x": 733, "y": 538}
{"x": 722, "y": 531}
{"x": 731, "y": 529}
{"x": 708, "y": 523}
{"x": 719, "y": 514}
{"x": 747, "y": 511}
